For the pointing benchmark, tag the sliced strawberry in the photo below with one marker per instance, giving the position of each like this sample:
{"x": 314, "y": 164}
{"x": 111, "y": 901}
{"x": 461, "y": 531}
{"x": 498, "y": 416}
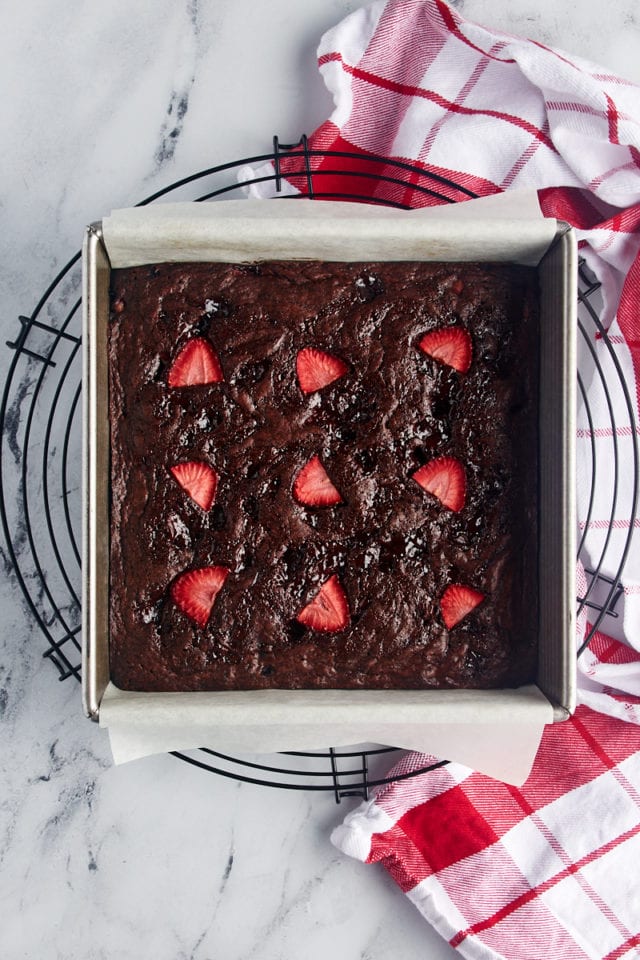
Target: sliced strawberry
{"x": 316, "y": 369}
{"x": 329, "y": 609}
{"x": 456, "y": 602}
{"x": 196, "y": 590}
{"x": 198, "y": 480}
{"x": 444, "y": 478}
{"x": 196, "y": 363}
{"x": 313, "y": 486}
{"x": 450, "y": 345}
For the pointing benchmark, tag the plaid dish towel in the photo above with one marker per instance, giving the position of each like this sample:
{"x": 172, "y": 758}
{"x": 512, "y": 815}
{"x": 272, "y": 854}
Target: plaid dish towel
{"x": 548, "y": 869}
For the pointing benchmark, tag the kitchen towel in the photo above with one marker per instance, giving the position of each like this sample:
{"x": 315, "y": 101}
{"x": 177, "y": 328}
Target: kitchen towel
{"x": 548, "y": 869}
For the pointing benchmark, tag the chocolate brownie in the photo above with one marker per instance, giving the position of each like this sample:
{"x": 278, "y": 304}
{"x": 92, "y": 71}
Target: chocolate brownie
{"x": 323, "y": 475}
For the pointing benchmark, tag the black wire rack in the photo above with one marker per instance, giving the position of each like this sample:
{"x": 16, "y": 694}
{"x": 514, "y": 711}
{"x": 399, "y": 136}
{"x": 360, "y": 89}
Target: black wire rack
{"x": 41, "y": 443}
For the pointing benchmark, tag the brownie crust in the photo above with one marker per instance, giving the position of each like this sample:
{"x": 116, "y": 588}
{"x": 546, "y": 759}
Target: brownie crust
{"x": 393, "y": 547}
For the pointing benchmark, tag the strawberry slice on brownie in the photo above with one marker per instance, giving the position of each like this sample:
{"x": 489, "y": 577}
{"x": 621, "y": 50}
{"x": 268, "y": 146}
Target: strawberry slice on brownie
{"x": 198, "y": 480}
{"x": 329, "y": 609}
{"x": 449, "y": 345}
{"x": 313, "y": 486}
{"x": 444, "y": 478}
{"x": 195, "y": 592}
{"x": 197, "y": 363}
{"x": 316, "y": 369}
{"x": 457, "y": 602}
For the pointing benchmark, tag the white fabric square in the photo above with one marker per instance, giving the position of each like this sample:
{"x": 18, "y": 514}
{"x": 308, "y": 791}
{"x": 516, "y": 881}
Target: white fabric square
{"x": 602, "y": 808}
{"x": 576, "y": 910}
{"x": 615, "y": 879}
{"x": 532, "y": 851}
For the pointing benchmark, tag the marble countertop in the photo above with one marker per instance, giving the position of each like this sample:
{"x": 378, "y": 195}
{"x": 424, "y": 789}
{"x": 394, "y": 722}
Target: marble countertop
{"x": 104, "y": 104}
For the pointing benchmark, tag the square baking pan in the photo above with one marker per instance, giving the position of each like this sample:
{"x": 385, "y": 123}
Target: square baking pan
{"x": 241, "y": 231}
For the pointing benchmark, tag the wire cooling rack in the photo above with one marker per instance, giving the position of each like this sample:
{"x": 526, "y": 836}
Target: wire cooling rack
{"x": 41, "y": 444}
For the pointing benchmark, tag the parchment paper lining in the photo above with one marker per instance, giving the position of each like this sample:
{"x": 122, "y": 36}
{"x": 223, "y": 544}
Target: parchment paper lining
{"x": 495, "y": 732}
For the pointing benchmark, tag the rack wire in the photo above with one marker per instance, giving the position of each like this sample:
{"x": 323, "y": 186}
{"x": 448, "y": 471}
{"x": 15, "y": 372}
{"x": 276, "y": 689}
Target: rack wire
{"x": 41, "y": 438}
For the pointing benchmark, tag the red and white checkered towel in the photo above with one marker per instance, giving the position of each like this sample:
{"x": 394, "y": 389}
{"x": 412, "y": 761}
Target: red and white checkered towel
{"x": 548, "y": 870}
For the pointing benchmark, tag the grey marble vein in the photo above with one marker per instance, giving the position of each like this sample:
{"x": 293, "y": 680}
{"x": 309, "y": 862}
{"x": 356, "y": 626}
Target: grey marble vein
{"x": 13, "y": 419}
{"x": 172, "y": 126}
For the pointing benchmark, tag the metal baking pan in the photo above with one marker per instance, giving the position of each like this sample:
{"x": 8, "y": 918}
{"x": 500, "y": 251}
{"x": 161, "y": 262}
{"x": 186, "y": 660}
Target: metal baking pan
{"x": 242, "y": 230}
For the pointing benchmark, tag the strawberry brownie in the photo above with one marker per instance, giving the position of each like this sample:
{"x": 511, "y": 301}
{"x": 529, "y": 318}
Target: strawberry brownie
{"x": 323, "y": 475}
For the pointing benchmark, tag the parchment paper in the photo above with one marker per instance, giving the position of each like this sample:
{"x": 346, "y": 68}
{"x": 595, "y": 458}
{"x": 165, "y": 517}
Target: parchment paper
{"x": 495, "y": 732}
{"x": 237, "y": 231}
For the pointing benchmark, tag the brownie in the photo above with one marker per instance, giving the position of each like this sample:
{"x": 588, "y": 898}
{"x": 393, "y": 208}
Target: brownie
{"x": 391, "y": 548}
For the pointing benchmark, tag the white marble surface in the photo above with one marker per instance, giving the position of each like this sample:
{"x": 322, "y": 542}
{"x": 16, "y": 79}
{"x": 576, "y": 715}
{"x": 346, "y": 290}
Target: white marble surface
{"x": 103, "y": 104}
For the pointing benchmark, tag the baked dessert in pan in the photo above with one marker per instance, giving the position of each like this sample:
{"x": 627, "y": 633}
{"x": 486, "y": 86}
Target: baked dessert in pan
{"x": 323, "y": 475}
